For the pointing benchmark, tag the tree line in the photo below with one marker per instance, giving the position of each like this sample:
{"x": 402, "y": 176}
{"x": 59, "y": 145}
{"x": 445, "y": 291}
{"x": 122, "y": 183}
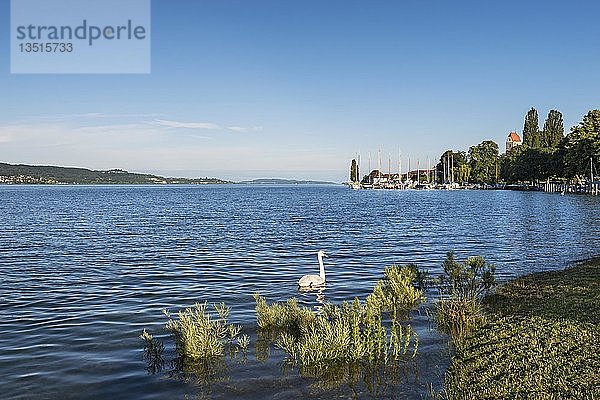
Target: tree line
{"x": 545, "y": 153}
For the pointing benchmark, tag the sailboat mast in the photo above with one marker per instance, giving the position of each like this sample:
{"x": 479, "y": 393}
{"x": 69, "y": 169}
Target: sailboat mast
{"x": 428, "y": 170}
{"x": 452, "y": 168}
{"x": 379, "y": 164}
{"x": 369, "y": 154}
{"x": 399, "y": 168}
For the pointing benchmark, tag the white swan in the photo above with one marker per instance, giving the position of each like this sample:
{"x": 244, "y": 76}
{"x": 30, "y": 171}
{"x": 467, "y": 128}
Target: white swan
{"x": 314, "y": 280}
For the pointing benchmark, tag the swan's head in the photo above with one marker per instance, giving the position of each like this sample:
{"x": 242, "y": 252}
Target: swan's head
{"x": 321, "y": 253}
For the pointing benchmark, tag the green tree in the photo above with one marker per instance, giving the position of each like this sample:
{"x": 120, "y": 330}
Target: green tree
{"x": 554, "y": 129}
{"x": 354, "y": 171}
{"x": 581, "y": 144}
{"x": 483, "y": 160}
{"x": 510, "y": 170}
{"x": 531, "y": 129}
{"x": 537, "y": 162}
{"x": 531, "y": 164}
{"x": 456, "y": 166}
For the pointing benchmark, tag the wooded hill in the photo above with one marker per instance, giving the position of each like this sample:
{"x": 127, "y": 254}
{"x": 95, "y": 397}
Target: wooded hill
{"x": 51, "y": 174}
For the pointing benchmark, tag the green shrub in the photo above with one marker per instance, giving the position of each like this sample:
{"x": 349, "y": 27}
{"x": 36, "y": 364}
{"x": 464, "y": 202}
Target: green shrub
{"x": 346, "y": 334}
{"x": 470, "y": 279}
{"x": 462, "y": 287}
{"x": 201, "y": 338}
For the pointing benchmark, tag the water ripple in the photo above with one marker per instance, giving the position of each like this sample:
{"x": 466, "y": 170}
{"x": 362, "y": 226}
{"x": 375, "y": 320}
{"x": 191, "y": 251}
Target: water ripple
{"x": 84, "y": 269}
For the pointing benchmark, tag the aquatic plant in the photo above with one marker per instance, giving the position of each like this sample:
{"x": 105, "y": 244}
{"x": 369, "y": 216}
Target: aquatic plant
{"x": 199, "y": 333}
{"x": 349, "y": 337}
{"x": 462, "y": 287}
{"x": 153, "y": 352}
{"x": 348, "y": 333}
{"x": 397, "y": 293}
{"x": 288, "y": 316}
{"x": 202, "y": 337}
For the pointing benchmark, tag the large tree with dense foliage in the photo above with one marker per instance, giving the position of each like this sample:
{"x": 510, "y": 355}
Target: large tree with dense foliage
{"x": 354, "y": 171}
{"x": 531, "y": 164}
{"x": 460, "y": 168}
{"x": 582, "y": 144}
{"x": 554, "y": 129}
{"x": 483, "y": 161}
{"x": 531, "y": 129}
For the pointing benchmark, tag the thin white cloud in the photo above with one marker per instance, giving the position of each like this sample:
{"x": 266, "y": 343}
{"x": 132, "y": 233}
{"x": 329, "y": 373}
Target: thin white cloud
{"x": 186, "y": 125}
{"x": 241, "y": 129}
{"x": 110, "y": 128}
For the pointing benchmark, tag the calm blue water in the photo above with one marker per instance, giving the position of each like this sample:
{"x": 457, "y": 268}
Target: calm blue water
{"x": 84, "y": 269}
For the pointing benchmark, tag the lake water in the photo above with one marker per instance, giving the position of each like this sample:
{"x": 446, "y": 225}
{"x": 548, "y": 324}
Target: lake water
{"x": 84, "y": 269}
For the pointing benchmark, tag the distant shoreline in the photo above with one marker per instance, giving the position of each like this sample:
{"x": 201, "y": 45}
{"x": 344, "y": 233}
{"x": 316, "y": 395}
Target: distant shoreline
{"x": 22, "y": 174}
{"x": 279, "y": 181}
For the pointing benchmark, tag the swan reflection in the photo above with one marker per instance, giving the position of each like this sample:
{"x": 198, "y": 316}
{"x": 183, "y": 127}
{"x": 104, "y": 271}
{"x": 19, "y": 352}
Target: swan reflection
{"x": 319, "y": 293}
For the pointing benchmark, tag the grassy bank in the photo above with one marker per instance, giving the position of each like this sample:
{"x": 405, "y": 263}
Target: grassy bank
{"x": 541, "y": 340}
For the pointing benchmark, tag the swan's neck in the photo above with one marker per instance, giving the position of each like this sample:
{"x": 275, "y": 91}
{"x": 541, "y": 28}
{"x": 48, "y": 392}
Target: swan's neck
{"x": 322, "y": 270}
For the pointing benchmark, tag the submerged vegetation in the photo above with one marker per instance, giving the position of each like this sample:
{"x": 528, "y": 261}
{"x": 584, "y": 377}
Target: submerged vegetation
{"x": 153, "y": 352}
{"x": 541, "y": 340}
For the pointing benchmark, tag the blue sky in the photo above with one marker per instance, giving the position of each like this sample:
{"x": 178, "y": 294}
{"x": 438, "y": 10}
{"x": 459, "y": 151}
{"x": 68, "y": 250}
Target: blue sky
{"x": 243, "y": 89}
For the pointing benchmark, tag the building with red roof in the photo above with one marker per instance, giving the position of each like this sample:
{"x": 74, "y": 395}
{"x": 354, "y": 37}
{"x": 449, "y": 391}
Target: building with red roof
{"x": 513, "y": 141}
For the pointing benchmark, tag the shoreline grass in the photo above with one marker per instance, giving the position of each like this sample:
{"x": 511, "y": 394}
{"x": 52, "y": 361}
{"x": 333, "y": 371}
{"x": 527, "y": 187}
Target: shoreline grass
{"x": 541, "y": 340}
